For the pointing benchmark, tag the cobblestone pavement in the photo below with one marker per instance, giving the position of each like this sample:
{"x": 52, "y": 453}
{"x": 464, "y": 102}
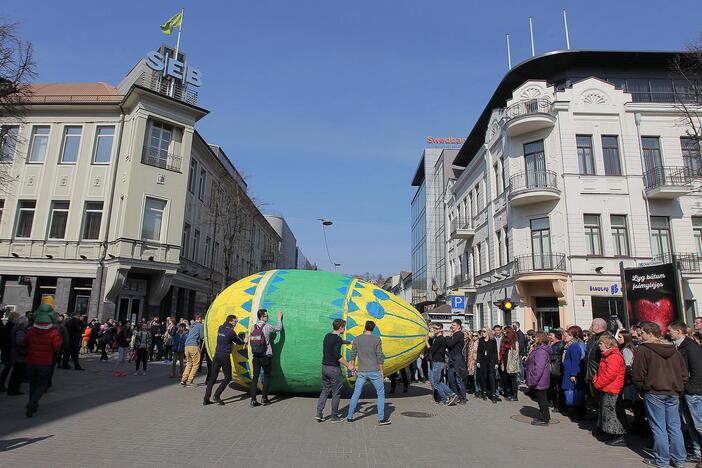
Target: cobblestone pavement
{"x": 93, "y": 419}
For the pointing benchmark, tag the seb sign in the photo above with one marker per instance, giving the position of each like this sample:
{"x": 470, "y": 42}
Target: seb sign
{"x": 173, "y": 68}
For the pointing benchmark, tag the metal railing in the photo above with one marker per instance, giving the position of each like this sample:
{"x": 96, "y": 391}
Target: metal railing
{"x": 159, "y": 158}
{"x": 531, "y": 106}
{"x": 661, "y": 176}
{"x": 175, "y": 89}
{"x": 462, "y": 280}
{"x": 461, "y": 223}
{"x": 533, "y": 180}
{"x": 688, "y": 261}
{"x": 73, "y": 98}
{"x": 541, "y": 262}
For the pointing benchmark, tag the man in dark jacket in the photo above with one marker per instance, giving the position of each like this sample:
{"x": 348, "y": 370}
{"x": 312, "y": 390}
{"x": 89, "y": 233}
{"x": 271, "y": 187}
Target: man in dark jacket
{"x": 522, "y": 341}
{"x": 660, "y": 373}
{"x": 6, "y": 347}
{"x": 74, "y": 327}
{"x": 223, "y": 359}
{"x": 555, "y": 396}
{"x": 691, "y": 400}
{"x": 457, "y": 366}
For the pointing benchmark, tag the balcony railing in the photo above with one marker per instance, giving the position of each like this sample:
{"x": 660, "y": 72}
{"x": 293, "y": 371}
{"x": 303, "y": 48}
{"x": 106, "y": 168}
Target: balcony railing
{"x": 689, "y": 262}
{"x": 663, "y": 176}
{"x": 533, "y": 180}
{"x": 159, "y": 158}
{"x": 463, "y": 280}
{"x": 461, "y": 223}
{"x": 541, "y": 262}
{"x": 177, "y": 90}
{"x": 531, "y": 106}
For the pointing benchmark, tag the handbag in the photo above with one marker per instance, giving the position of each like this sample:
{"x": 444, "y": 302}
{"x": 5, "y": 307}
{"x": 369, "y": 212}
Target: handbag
{"x": 575, "y": 397}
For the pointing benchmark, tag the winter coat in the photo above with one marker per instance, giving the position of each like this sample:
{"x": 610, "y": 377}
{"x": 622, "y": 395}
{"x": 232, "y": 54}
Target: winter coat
{"x": 42, "y": 344}
{"x": 692, "y": 354}
{"x": 574, "y": 365}
{"x": 659, "y": 369}
{"x": 456, "y": 356}
{"x": 487, "y": 353}
{"x": 472, "y": 356}
{"x": 610, "y": 373}
{"x": 593, "y": 356}
{"x": 538, "y": 369}
{"x": 19, "y": 349}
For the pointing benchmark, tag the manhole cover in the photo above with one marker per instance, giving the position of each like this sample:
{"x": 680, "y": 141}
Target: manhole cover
{"x": 417, "y": 414}
{"x": 529, "y": 419}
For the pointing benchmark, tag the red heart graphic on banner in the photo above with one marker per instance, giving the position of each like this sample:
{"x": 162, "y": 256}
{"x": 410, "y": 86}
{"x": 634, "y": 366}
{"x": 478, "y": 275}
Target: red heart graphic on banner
{"x": 660, "y": 312}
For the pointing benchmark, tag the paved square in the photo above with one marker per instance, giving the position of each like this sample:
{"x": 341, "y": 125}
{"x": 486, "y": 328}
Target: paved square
{"x": 93, "y": 419}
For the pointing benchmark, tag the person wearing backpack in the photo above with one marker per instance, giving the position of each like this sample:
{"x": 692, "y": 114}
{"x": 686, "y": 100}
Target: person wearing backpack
{"x": 223, "y": 359}
{"x": 259, "y": 340}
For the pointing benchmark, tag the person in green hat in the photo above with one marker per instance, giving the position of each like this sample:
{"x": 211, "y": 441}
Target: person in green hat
{"x": 42, "y": 341}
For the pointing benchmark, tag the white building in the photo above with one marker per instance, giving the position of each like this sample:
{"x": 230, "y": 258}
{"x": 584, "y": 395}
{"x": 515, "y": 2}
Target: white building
{"x": 579, "y": 161}
{"x": 119, "y": 208}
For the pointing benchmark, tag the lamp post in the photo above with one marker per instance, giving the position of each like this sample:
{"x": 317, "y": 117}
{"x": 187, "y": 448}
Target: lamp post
{"x": 326, "y": 222}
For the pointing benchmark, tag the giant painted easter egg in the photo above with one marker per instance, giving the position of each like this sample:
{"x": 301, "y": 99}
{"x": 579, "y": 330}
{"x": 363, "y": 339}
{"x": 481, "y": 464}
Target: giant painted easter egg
{"x": 310, "y": 301}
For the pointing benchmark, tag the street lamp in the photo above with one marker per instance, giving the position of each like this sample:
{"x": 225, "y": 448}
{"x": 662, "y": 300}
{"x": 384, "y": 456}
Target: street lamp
{"x": 325, "y": 223}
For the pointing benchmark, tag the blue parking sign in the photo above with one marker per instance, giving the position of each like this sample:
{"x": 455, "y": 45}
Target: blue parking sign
{"x": 458, "y": 302}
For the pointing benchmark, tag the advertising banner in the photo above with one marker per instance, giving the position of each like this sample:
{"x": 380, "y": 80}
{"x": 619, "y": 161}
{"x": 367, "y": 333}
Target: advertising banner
{"x": 652, "y": 295}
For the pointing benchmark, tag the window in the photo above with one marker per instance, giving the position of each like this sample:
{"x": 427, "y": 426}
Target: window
{"x": 696, "y": 231}
{"x": 506, "y": 246}
{"x": 502, "y": 174}
{"x": 103, "y": 145}
{"x": 8, "y": 142}
{"x": 660, "y": 236}
{"x": 496, "y": 171}
{"x": 585, "y": 159}
{"x": 208, "y": 242}
{"x": 620, "y": 235}
{"x": 2, "y": 209}
{"x": 499, "y": 247}
{"x": 201, "y": 185}
{"x": 58, "y": 219}
{"x": 192, "y": 176}
{"x": 691, "y": 155}
{"x": 92, "y": 218}
{"x": 639, "y": 90}
{"x": 185, "y": 242}
{"x": 610, "y": 152}
{"x": 535, "y": 164}
{"x": 71, "y": 144}
{"x": 541, "y": 243}
{"x": 593, "y": 238}
{"x": 152, "y": 225}
{"x": 38, "y": 144}
{"x": 196, "y": 245}
{"x": 652, "y": 160}
{"x": 25, "y": 218}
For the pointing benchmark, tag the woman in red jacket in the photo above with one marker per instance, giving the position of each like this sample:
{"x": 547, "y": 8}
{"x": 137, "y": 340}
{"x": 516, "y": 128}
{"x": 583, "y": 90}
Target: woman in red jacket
{"x": 609, "y": 380}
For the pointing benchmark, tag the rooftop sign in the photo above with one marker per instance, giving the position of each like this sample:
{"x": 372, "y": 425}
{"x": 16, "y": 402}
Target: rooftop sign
{"x": 445, "y": 140}
{"x": 174, "y": 68}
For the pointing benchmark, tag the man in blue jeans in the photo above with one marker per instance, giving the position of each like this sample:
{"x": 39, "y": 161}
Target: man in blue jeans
{"x": 660, "y": 373}
{"x": 369, "y": 351}
{"x": 437, "y": 353}
{"x": 691, "y": 400}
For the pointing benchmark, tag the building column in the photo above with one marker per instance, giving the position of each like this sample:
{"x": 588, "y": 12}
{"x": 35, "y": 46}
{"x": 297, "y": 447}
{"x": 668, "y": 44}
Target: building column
{"x": 62, "y": 295}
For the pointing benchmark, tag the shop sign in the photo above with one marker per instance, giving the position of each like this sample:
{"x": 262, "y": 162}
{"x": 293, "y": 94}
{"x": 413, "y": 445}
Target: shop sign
{"x": 652, "y": 294}
{"x": 174, "y": 68}
{"x": 598, "y": 288}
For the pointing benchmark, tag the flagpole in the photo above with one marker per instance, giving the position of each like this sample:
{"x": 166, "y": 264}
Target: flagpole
{"x": 509, "y": 54}
{"x": 175, "y": 53}
{"x": 531, "y": 33}
{"x": 565, "y": 21}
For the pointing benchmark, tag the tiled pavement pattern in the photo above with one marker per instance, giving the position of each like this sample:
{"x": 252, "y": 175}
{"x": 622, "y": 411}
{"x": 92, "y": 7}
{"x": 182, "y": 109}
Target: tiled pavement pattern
{"x": 92, "y": 419}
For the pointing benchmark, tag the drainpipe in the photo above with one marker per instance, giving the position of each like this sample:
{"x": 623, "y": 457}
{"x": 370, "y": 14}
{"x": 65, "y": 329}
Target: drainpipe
{"x": 637, "y": 120}
{"x": 109, "y": 211}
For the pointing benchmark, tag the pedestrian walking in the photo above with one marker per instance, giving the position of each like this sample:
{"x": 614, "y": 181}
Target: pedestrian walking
{"x": 332, "y": 379}
{"x": 193, "y": 341}
{"x": 43, "y": 340}
{"x": 436, "y": 347}
{"x": 368, "y": 349}
{"x": 74, "y": 329}
{"x": 179, "y": 349}
{"x": 124, "y": 339}
{"x": 260, "y": 341}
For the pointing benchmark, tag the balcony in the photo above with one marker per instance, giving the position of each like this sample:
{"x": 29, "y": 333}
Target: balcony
{"x": 554, "y": 262}
{"x": 530, "y": 187}
{"x": 137, "y": 249}
{"x": 159, "y": 158}
{"x": 529, "y": 116}
{"x": 157, "y": 82}
{"x": 462, "y": 228}
{"x": 668, "y": 182}
{"x": 689, "y": 262}
{"x": 463, "y": 282}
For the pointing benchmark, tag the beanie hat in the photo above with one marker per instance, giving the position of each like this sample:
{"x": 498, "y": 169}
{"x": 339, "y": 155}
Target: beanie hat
{"x": 44, "y": 315}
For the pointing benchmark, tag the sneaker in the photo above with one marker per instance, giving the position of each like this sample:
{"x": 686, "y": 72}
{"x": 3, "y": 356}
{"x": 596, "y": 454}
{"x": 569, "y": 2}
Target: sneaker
{"x": 136, "y": 373}
{"x": 650, "y": 462}
{"x": 384, "y": 422}
{"x": 265, "y": 401}
{"x": 181, "y": 382}
{"x": 349, "y": 420}
{"x": 255, "y": 403}
{"x": 616, "y": 442}
{"x": 219, "y": 401}
{"x": 319, "y": 418}
{"x": 539, "y": 422}
{"x": 207, "y": 402}
{"x": 453, "y": 399}
{"x": 335, "y": 419}
{"x": 189, "y": 385}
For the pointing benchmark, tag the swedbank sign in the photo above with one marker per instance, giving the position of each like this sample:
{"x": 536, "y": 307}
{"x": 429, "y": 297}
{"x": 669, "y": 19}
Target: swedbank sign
{"x": 174, "y": 68}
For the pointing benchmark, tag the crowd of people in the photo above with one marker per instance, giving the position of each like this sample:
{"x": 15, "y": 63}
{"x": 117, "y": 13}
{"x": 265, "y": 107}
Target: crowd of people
{"x": 598, "y": 373}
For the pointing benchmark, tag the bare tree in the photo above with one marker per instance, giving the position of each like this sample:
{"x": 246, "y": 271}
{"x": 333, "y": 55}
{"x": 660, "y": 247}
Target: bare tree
{"x": 688, "y": 99}
{"x": 17, "y": 69}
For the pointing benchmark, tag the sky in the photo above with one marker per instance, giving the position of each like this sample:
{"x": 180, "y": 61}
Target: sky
{"x": 324, "y": 106}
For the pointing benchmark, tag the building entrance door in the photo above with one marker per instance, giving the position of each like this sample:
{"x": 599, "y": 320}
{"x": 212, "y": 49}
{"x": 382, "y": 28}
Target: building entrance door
{"x": 547, "y": 313}
{"x": 128, "y": 308}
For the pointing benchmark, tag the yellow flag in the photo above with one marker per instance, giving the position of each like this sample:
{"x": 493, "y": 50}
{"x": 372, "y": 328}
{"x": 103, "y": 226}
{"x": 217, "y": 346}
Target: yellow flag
{"x": 167, "y": 27}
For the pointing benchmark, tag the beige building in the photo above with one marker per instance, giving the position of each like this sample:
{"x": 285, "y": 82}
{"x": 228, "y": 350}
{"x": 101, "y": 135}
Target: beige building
{"x": 119, "y": 208}
{"x": 581, "y": 160}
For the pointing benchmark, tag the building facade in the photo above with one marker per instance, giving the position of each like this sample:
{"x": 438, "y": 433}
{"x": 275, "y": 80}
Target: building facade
{"x": 113, "y": 205}
{"x": 579, "y": 162}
